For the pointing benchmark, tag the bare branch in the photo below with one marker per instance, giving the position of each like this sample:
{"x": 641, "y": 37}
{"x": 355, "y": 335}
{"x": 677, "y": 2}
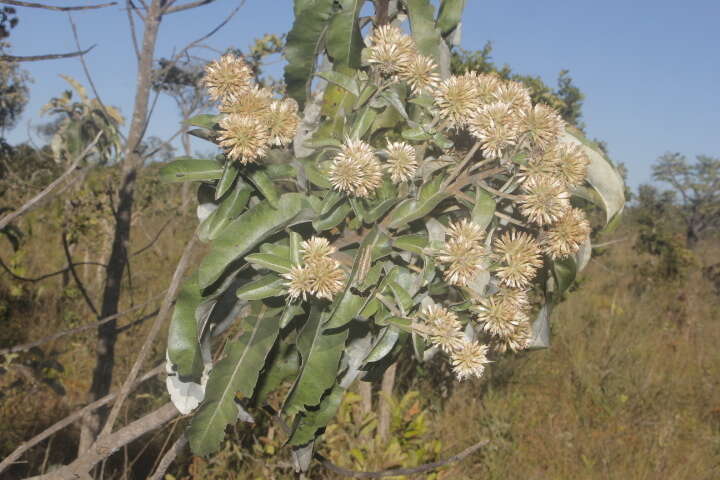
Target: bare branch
{"x": 37, "y": 58}
{"x": 104, "y": 447}
{"x": 169, "y": 457}
{"x": 4, "y": 266}
{"x": 87, "y": 73}
{"x": 75, "y": 276}
{"x": 133, "y": 33}
{"x": 155, "y": 238}
{"x": 18, "y": 3}
{"x": 70, "y": 419}
{"x": 150, "y": 338}
{"x": 187, "y": 6}
{"x": 37, "y": 199}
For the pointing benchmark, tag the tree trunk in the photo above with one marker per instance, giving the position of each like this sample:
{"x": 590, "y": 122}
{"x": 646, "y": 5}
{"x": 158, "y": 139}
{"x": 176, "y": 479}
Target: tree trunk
{"x": 385, "y": 409}
{"x": 117, "y": 262}
{"x": 186, "y": 187}
{"x": 691, "y": 237}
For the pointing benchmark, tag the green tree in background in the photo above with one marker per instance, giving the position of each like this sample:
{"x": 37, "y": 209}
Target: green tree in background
{"x": 697, "y": 185}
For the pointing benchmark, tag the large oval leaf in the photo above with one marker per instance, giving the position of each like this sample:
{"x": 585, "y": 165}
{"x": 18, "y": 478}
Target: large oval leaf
{"x": 183, "y": 347}
{"x": 236, "y": 373}
{"x": 186, "y": 169}
{"x": 303, "y": 45}
{"x": 603, "y": 177}
{"x": 245, "y": 232}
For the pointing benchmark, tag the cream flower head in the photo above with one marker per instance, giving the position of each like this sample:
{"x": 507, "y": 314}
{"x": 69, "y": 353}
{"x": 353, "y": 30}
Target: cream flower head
{"x": 227, "y": 77}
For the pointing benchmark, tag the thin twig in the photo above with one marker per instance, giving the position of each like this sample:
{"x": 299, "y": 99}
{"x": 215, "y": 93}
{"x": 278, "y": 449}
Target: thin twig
{"x": 18, "y": 3}
{"x": 27, "y": 346}
{"x": 155, "y": 239}
{"x": 169, "y": 457}
{"x": 50, "y": 56}
{"x": 88, "y": 76}
{"x": 37, "y": 199}
{"x": 510, "y": 219}
{"x": 70, "y": 419}
{"x": 4, "y": 266}
{"x": 73, "y": 272}
{"x": 150, "y": 338}
{"x": 458, "y": 169}
{"x": 187, "y": 6}
{"x": 130, "y": 8}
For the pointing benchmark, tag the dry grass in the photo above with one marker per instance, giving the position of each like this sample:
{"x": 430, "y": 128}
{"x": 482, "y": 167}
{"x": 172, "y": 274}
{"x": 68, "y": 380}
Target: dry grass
{"x": 629, "y": 389}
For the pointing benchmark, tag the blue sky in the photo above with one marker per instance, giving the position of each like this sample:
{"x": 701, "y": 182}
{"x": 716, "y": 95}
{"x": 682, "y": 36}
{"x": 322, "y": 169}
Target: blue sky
{"x": 650, "y": 69}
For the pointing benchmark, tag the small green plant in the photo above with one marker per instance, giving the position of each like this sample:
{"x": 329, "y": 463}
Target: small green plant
{"x": 406, "y": 209}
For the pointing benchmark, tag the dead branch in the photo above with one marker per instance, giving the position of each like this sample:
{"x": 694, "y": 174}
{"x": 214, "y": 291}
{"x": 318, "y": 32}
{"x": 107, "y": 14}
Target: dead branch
{"x": 70, "y": 419}
{"x": 106, "y": 446}
{"x": 44, "y": 194}
{"x": 169, "y": 457}
{"x": 45, "y": 276}
{"x": 87, "y": 73}
{"x": 150, "y": 338}
{"x": 37, "y": 58}
{"x": 76, "y": 277}
{"x": 187, "y": 6}
{"x": 18, "y": 3}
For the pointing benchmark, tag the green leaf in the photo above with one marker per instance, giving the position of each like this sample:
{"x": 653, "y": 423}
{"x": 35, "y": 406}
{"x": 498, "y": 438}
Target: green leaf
{"x": 331, "y": 199}
{"x": 266, "y": 286}
{"x": 411, "y": 209}
{"x": 295, "y": 242}
{"x": 416, "y": 134}
{"x": 265, "y": 186}
{"x": 450, "y": 15}
{"x": 564, "y": 272}
{"x": 182, "y": 344}
{"x": 332, "y": 219}
{"x": 230, "y": 208}
{"x": 282, "y": 365}
{"x": 230, "y": 173}
{"x": 344, "y": 41}
{"x": 315, "y": 176}
{"x": 414, "y": 242}
{"x": 606, "y": 181}
{"x": 204, "y": 120}
{"x": 341, "y": 80}
{"x": 320, "y": 352}
{"x": 186, "y": 169}
{"x": 245, "y": 232}
{"x": 484, "y": 208}
{"x": 422, "y": 23}
{"x": 269, "y": 262}
{"x": 236, "y": 373}
{"x": 402, "y": 297}
{"x": 304, "y": 44}
{"x": 311, "y": 422}
{"x": 348, "y": 308}
{"x": 291, "y": 311}
{"x": 395, "y": 96}
{"x": 363, "y": 124}
{"x": 384, "y": 344}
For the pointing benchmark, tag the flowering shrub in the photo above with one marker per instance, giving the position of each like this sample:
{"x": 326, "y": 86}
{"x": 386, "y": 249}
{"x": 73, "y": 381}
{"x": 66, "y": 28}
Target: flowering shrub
{"x": 406, "y": 208}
